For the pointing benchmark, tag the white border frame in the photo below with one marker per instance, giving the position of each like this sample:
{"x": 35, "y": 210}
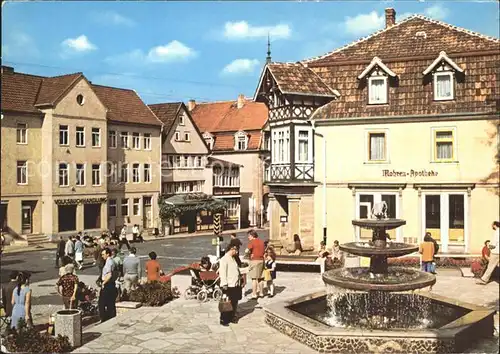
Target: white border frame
{"x": 100, "y": 137}
{"x": 84, "y": 174}
{"x": 76, "y": 137}
{"x": 26, "y": 142}
{"x": 451, "y": 75}
{"x": 433, "y": 144}
{"x": 309, "y": 130}
{"x": 386, "y": 91}
{"x": 368, "y": 131}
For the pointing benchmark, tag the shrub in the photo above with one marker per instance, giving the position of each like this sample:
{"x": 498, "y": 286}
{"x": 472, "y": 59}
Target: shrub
{"x": 151, "y": 294}
{"x": 26, "y": 339}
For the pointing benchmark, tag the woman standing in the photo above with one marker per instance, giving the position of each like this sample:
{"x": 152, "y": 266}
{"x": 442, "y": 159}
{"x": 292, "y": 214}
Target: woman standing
{"x": 21, "y": 301}
{"x": 427, "y": 251}
{"x": 153, "y": 268}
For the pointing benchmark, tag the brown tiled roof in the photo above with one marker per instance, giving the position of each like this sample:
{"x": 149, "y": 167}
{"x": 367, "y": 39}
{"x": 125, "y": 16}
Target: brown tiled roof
{"x": 401, "y": 40}
{"x": 125, "y": 106}
{"x": 226, "y": 117}
{"x": 295, "y": 78}
{"x": 55, "y": 87}
{"x": 19, "y": 92}
{"x": 224, "y": 142}
{"x": 166, "y": 112}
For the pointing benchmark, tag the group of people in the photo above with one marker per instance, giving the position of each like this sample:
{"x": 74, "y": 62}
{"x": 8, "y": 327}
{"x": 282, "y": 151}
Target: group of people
{"x": 328, "y": 260}
{"x": 490, "y": 254}
{"x": 16, "y": 298}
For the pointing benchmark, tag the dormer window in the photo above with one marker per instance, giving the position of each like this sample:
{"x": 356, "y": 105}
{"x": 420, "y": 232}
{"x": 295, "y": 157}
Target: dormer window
{"x": 209, "y": 140}
{"x": 377, "y": 74}
{"x": 443, "y": 70}
{"x": 240, "y": 141}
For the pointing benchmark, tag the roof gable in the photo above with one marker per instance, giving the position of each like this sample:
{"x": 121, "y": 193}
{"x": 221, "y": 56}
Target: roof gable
{"x": 443, "y": 58}
{"x": 401, "y": 40}
{"x": 166, "y": 112}
{"x": 376, "y": 62}
{"x": 53, "y": 88}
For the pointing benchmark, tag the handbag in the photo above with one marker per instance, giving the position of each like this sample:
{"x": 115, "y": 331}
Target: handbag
{"x": 225, "y": 305}
{"x": 266, "y": 274}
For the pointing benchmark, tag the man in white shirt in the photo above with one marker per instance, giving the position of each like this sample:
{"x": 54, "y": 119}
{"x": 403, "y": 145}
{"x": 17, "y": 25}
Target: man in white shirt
{"x": 229, "y": 274}
{"x": 69, "y": 249}
{"x": 494, "y": 256}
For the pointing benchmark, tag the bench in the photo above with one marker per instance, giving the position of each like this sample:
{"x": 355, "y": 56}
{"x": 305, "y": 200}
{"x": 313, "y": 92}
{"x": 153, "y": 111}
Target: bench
{"x": 306, "y": 263}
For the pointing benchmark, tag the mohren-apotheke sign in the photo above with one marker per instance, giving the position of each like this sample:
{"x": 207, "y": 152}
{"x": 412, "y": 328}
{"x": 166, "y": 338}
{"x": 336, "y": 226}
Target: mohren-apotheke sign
{"x": 410, "y": 173}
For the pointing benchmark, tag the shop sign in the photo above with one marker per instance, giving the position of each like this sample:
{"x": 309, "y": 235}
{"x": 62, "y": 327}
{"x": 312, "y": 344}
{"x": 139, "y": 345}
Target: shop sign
{"x": 410, "y": 173}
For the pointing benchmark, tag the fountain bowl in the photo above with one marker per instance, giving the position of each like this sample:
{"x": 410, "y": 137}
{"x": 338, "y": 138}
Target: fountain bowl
{"x": 367, "y": 249}
{"x": 396, "y": 279}
{"x": 373, "y": 224}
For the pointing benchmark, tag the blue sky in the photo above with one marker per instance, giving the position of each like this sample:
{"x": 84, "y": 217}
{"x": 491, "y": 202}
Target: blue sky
{"x": 172, "y": 51}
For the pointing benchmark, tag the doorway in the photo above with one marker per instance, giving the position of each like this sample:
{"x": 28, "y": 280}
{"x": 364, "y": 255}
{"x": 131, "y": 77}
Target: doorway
{"x": 26, "y": 218}
{"x": 365, "y": 202}
{"x": 92, "y": 216}
{"x": 147, "y": 217}
{"x": 66, "y": 217}
{"x": 3, "y": 216}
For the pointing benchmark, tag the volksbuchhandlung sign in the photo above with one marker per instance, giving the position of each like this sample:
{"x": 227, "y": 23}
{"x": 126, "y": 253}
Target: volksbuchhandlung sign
{"x": 409, "y": 173}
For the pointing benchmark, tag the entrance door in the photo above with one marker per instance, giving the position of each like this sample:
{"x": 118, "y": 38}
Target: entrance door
{"x": 444, "y": 217}
{"x": 26, "y": 220}
{"x": 365, "y": 202}
{"x": 92, "y": 216}
{"x": 3, "y": 216}
{"x": 147, "y": 221}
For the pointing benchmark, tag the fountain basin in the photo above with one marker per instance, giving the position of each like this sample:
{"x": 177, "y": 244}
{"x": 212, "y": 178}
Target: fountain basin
{"x": 396, "y": 279}
{"x": 466, "y": 323}
{"x": 368, "y": 249}
{"x": 387, "y": 224}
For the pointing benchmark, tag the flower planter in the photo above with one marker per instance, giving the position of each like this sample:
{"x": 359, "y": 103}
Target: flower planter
{"x": 69, "y": 323}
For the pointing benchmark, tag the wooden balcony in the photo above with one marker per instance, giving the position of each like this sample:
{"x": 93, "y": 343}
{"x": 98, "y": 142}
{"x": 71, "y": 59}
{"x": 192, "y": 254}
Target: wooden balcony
{"x": 226, "y": 191}
{"x": 283, "y": 173}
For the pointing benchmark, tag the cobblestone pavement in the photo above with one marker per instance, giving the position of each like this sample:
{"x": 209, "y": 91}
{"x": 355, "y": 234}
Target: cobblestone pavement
{"x": 186, "y": 326}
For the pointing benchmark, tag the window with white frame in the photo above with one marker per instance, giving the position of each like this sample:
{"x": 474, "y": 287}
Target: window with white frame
{"x": 22, "y": 172}
{"x": 63, "y": 174}
{"x": 124, "y": 140}
{"x": 147, "y": 173}
{"x": 96, "y": 174}
{"x": 187, "y": 136}
{"x": 377, "y": 146}
{"x": 197, "y": 161}
{"x": 22, "y": 133}
{"x": 232, "y": 208}
{"x": 303, "y": 145}
{"x": 124, "y": 173}
{"x": 177, "y": 136}
{"x": 136, "y": 206}
{"x": 281, "y": 145}
{"x": 124, "y": 206}
{"x": 209, "y": 141}
{"x": 63, "y": 135}
{"x": 181, "y": 119}
{"x": 80, "y": 174}
{"x": 444, "y": 144}
{"x": 80, "y": 136}
{"x": 226, "y": 177}
{"x": 377, "y": 90}
{"x": 241, "y": 141}
{"x": 147, "y": 141}
{"x": 112, "y": 139}
{"x": 112, "y": 207}
{"x": 136, "y": 141}
{"x": 135, "y": 173}
{"x": 184, "y": 187}
{"x": 443, "y": 86}
{"x": 113, "y": 173}
{"x": 96, "y": 137}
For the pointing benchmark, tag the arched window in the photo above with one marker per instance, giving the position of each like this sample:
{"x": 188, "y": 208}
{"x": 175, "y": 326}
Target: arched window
{"x": 240, "y": 140}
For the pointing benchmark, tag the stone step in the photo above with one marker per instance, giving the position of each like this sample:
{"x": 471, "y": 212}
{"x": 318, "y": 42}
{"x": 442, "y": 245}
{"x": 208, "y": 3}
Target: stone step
{"x": 34, "y": 239}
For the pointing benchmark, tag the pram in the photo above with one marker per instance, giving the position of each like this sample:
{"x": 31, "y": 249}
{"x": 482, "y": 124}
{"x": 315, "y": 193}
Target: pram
{"x": 204, "y": 285}
{"x": 87, "y": 300}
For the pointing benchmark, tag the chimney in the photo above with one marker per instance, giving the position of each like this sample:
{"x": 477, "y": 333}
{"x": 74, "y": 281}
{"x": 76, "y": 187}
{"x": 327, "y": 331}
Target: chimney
{"x": 7, "y": 69}
{"x": 390, "y": 17}
{"x": 241, "y": 100}
{"x": 191, "y": 105}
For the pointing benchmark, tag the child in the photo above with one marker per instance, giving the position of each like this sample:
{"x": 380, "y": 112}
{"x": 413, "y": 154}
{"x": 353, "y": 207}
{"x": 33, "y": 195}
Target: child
{"x": 270, "y": 267}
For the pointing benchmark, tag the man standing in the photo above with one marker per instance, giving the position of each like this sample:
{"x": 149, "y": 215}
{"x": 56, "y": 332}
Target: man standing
{"x": 69, "y": 248}
{"x": 494, "y": 255}
{"x": 7, "y": 291}
{"x": 107, "y": 295}
{"x": 60, "y": 250}
{"x": 229, "y": 274}
{"x": 235, "y": 241}
{"x": 131, "y": 270}
{"x": 79, "y": 252}
{"x": 123, "y": 238}
{"x": 256, "y": 251}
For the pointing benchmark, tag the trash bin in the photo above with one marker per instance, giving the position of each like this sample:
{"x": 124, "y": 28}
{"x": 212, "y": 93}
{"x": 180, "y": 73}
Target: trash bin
{"x": 69, "y": 323}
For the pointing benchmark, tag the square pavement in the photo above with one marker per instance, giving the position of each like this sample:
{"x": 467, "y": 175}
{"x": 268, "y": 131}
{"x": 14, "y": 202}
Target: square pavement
{"x": 187, "y": 326}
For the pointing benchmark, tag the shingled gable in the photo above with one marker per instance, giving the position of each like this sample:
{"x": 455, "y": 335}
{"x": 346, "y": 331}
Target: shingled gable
{"x": 296, "y": 79}
{"x": 376, "y": 62}
{"x": 53, "y": 89}
{"x": 167, "y": 113}
{"x": 442, "y": 58}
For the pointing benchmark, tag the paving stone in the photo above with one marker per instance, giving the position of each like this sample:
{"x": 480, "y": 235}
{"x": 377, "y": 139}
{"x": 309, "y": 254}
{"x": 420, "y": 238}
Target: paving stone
{"x": 127, "y": 349}
{"x": 155, "y": 344}
{"x": 150, "y": 335}
{"x": 128, "y": 305}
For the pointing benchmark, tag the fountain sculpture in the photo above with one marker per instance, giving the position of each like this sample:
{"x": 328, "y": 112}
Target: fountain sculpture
{"x": 378, "y": 308}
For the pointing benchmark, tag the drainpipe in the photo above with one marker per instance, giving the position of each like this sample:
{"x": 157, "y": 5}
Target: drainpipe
{"x": 324, "y": 180}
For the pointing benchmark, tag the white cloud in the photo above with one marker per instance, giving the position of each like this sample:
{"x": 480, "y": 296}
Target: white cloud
{"x": 364, "y": 23}
{"x": 173, "y": 51}
{"x": 436, "y": 12}
{"x": 241, "y": 66}
{"x": 114, "y": 18}
{"x": 79, "y": 44}
{"x": 242, "y": 30}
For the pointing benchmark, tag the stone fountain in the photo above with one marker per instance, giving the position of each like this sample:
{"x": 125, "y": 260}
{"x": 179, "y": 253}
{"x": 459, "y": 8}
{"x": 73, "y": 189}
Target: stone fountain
{"x": 379, "y": 308}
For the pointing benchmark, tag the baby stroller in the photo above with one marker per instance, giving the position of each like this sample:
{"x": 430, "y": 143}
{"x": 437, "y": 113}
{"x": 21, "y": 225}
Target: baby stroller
{"x": 87, "y": 300}
{"x": 204, "y": 285}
